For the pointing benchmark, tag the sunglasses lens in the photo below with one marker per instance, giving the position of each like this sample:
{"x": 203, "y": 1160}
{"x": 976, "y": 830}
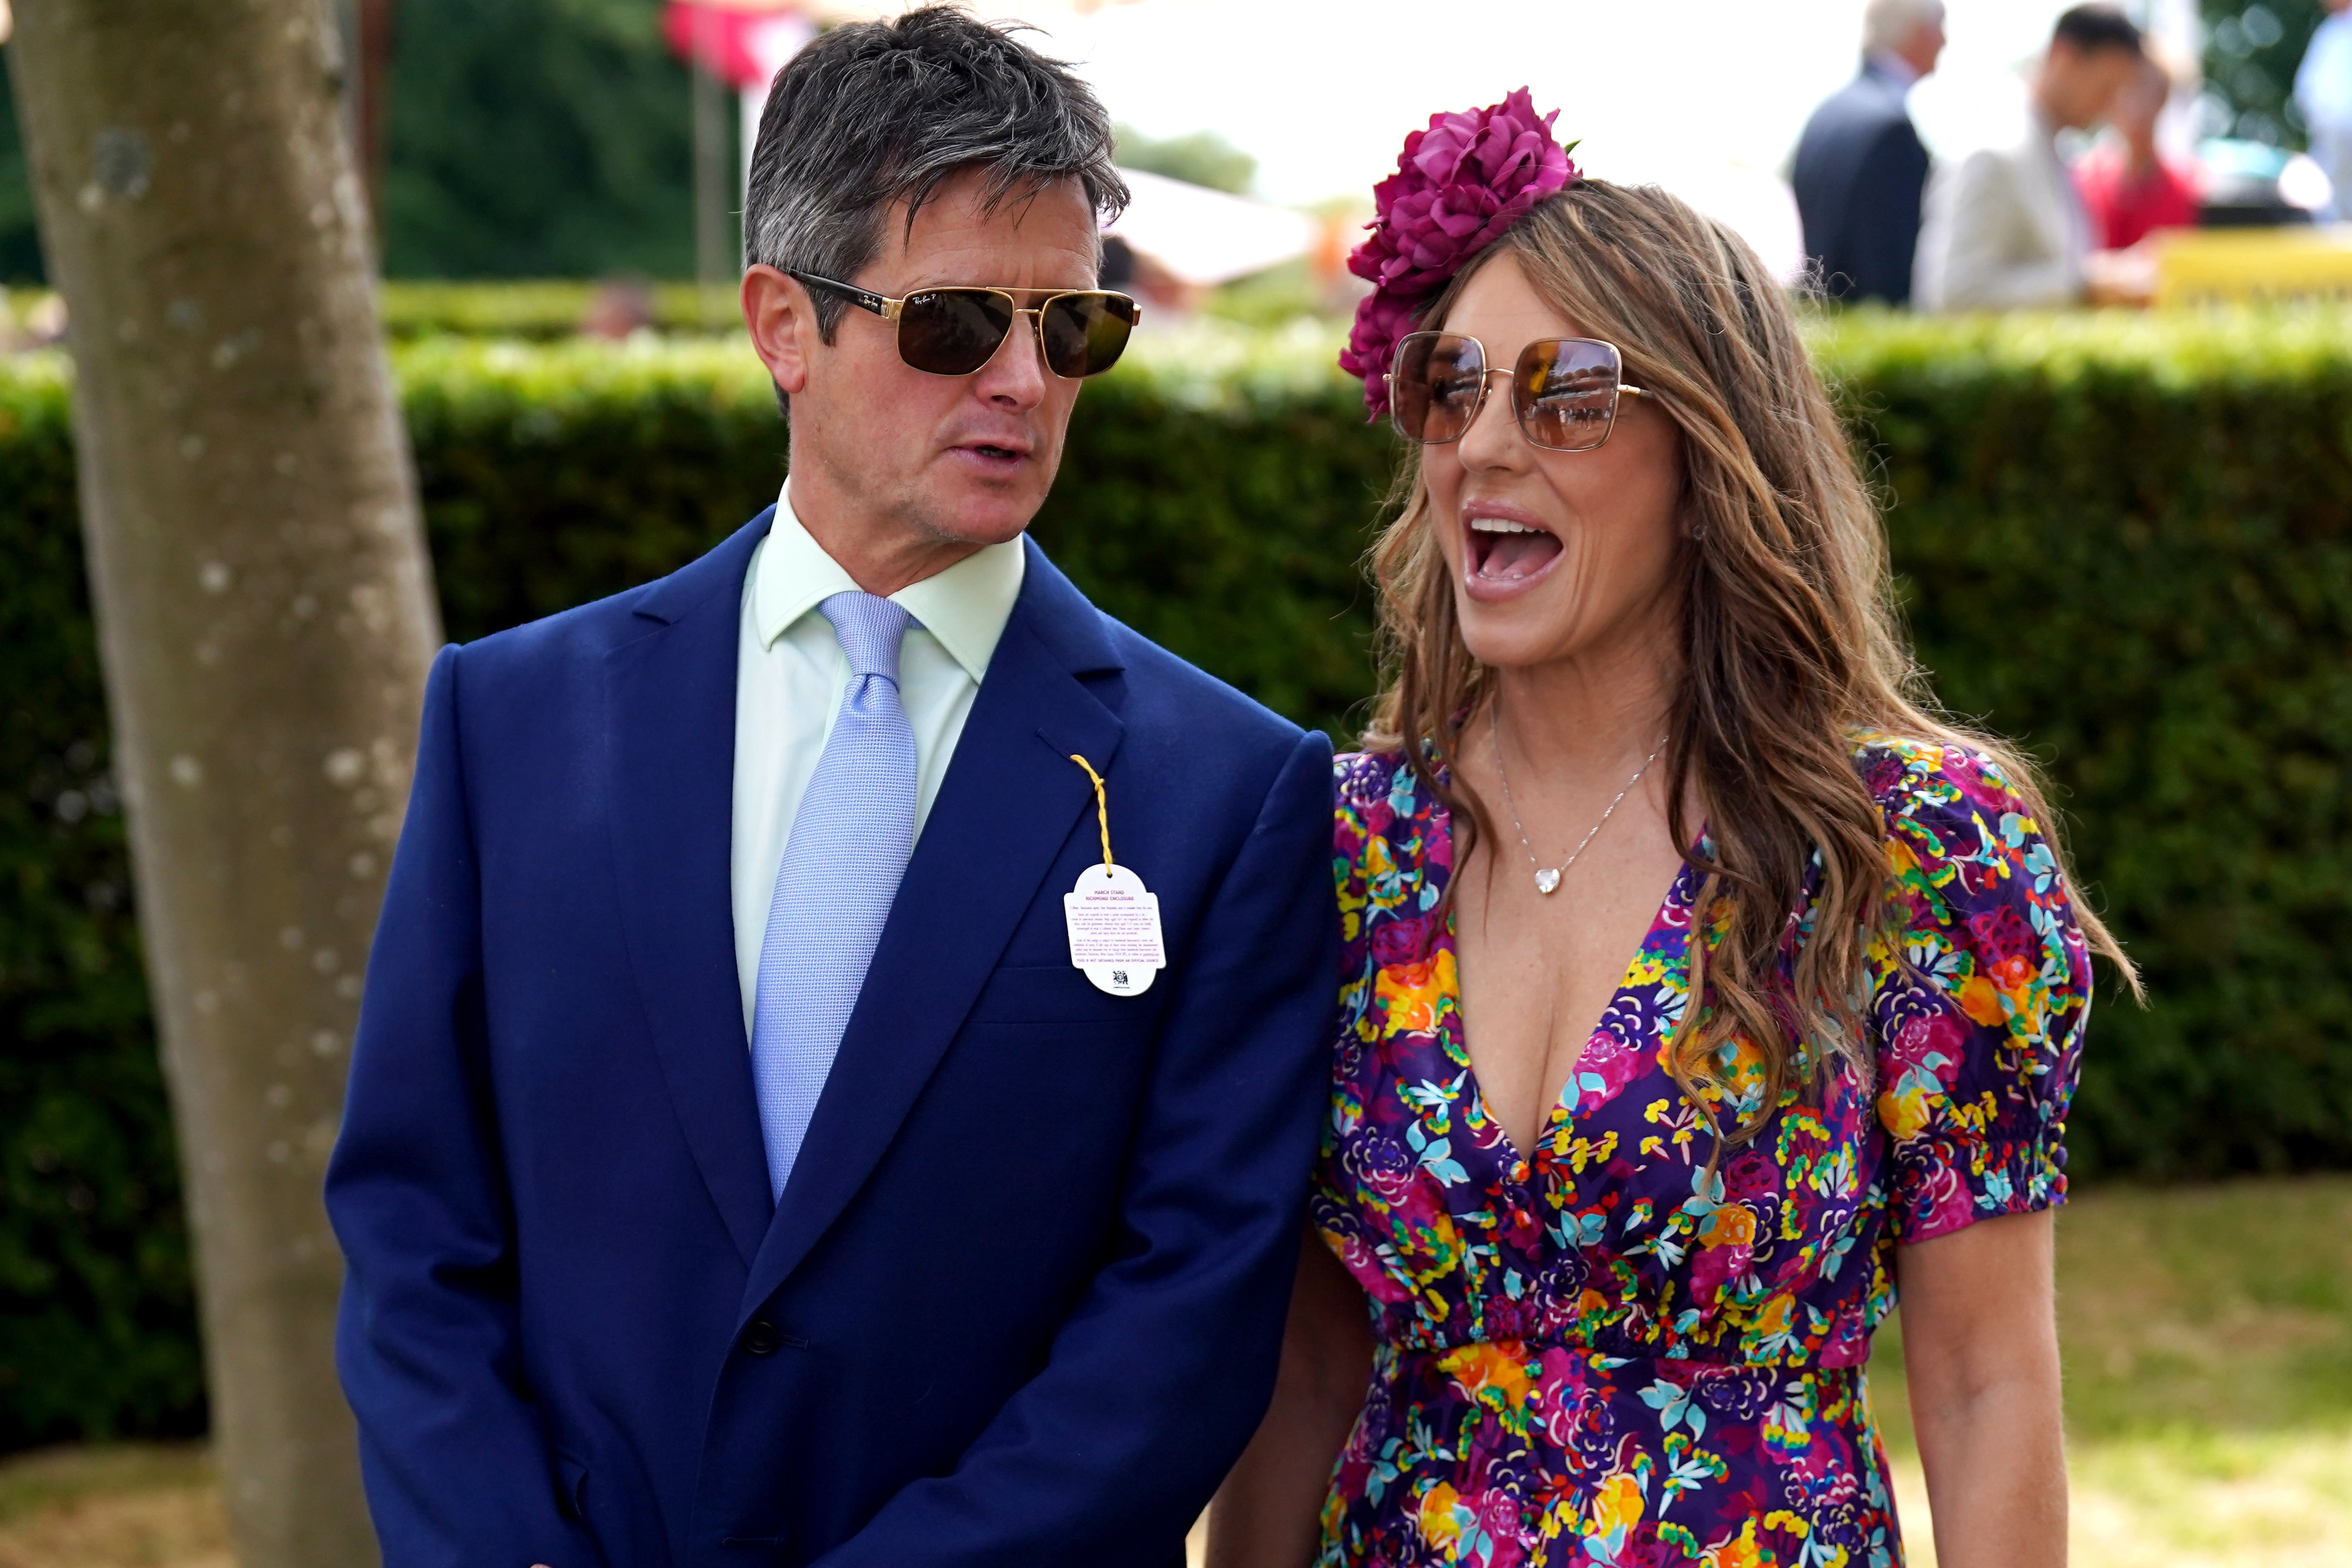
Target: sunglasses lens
{"x": 1439, "y": 380}
{"x": 1564, "y": 392}
{"x": 1086, "y": 333}
{"x": 953, "y": 331}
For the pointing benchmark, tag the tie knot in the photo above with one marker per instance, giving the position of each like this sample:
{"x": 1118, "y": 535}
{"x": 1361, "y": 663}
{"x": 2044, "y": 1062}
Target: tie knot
{"x": 870, "y": 630}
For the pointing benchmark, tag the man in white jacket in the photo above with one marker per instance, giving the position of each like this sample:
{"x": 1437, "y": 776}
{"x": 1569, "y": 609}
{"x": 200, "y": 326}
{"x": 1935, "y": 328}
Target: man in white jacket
{"x": 2322, "y": 90}
{"x": 2004, "y": 229}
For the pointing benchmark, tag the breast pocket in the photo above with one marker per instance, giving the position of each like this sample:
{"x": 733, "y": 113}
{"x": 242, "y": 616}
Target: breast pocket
{"x": 1046, "y": 993}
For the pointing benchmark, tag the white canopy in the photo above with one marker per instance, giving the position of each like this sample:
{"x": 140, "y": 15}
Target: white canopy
{"x": 1206, "y": 238}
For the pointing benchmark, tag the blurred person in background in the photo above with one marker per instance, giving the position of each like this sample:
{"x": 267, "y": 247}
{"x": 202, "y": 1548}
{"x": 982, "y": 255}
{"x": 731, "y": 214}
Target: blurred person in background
{"x": 2322, "y": 90}
{"x": 1704, "y": 984}
{"x": 2005, "y": 229}
{"x": 2128, "y": 187}
{"x": 1861, "y": 169}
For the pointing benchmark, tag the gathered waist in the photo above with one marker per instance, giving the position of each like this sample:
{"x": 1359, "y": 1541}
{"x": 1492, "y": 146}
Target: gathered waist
{"x": 1601, "y": 1352}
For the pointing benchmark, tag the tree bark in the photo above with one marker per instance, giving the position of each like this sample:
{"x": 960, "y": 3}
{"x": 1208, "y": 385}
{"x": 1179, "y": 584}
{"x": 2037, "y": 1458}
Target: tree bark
{"x": 266, "y": 618}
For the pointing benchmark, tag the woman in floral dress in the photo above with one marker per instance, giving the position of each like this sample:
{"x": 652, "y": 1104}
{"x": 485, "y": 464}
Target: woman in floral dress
{"x": 1621, "y": 1227}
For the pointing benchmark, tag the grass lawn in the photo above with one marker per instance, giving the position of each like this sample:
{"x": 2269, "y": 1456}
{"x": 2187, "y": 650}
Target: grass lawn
{"x": 2208, "y": 1334}
{"x": 2208, "y": 1340}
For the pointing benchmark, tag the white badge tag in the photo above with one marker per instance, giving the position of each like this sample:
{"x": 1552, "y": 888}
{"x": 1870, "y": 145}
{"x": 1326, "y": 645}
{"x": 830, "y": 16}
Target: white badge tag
{"x": 1115, "y": 930}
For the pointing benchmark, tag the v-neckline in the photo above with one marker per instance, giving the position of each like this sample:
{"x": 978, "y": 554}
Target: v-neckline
{"x": 1521, "y": 1165}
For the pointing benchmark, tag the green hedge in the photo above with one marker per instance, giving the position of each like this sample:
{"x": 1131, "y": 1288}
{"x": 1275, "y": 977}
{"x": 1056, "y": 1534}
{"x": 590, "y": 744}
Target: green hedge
{"x": 95, "y": 1300}
{"x": 2123, "y": 540}
{"x": 2128, "y": 543}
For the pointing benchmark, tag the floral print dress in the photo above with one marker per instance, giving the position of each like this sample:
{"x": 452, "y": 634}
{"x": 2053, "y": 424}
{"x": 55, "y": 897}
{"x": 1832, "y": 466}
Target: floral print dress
{"x": 1596, "y": 1352}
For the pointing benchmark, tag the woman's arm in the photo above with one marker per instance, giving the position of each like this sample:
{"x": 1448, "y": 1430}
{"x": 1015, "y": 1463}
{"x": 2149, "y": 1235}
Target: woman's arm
{"x": 1980, "y": 1348}
{"x": 1268, "y": 1514}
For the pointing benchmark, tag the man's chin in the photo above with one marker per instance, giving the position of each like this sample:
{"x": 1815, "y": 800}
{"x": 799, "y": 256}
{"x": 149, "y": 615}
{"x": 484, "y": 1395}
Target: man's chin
{"x": 981, "y": 519}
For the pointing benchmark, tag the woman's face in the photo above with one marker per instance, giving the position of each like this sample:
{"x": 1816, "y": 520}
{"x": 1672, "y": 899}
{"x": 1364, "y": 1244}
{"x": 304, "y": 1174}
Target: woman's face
{"x": 1554, "y": 555}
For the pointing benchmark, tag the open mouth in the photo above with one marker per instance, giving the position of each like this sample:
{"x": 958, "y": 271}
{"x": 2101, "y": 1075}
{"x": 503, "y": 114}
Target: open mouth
{"x": 993, "y": 457}
{"x": 1504, "y": 553}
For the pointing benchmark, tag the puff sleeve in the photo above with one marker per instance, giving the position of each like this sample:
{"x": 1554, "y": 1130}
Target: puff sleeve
{"x": 1979, "y": 1018}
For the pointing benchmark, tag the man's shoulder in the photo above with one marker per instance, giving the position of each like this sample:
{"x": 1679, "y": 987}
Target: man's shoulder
{"x": 1195, "y": 734}
{"x": 1850, "y": 127}
{"x": 539, "y": 652}
{"x": 1158, "y": 687}
{"x": 1983, "y": 174}
{"x": 1162, "y": 678}
{"x": 1863, "y": 107}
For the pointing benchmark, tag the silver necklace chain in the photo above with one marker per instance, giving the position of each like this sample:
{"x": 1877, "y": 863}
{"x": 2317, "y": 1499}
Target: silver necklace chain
{"x": 1547, "y": 877}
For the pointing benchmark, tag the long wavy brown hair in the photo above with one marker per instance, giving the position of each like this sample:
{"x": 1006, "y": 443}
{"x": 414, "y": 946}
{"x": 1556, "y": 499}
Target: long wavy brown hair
{"x": 1791, "y": 647}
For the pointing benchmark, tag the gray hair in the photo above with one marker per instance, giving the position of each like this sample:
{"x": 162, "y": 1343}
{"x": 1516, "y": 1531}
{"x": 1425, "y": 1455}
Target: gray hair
{"x": 876, "y": 114}
{"x": 1886, "y": 25}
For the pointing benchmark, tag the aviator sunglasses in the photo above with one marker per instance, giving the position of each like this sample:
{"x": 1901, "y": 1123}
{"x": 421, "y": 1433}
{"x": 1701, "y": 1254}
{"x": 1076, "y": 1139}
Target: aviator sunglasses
{"x": 954, "y": 332}
{"x": 1563, "y": 390}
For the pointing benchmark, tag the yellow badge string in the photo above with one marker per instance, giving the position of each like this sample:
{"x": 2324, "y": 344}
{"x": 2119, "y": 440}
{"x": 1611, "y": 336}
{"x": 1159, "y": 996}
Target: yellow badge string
{"x": 1102, "y": 805}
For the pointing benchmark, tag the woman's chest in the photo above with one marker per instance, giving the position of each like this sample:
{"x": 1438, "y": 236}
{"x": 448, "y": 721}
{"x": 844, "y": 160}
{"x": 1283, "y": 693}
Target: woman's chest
{"x": 1621, "y": 1210}
{"x": 1538, "y": 972}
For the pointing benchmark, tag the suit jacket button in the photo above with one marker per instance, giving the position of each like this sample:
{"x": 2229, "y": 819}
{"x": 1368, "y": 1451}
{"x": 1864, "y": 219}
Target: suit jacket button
{"x": 761, "y": 1339}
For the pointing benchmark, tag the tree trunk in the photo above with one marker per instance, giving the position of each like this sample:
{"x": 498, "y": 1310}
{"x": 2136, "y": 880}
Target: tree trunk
{"x": 266, "y": 618}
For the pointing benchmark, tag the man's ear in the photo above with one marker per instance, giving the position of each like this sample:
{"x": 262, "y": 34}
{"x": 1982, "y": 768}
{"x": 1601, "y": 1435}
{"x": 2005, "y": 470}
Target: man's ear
{"x": 783, "y": 324}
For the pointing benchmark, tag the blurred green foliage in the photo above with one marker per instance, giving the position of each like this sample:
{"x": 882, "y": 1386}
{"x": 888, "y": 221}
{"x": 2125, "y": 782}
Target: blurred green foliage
{"x": 526, "y": 139}
{"x": 20, "y": 245}
{"x": 2122, "y": 539}
{"x": 97, "y": 1312}
{"x": 537, "y": 138}
{"x": 1201, "y": 158}
{"x": 546, "y": 309}
{"x": 2251, "y": 55}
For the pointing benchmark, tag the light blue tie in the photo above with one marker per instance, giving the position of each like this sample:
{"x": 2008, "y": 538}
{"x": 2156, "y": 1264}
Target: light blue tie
{"x": 848, "y": 850}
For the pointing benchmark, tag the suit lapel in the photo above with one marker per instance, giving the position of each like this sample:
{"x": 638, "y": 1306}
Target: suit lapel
{"x": 1010, "y": 801}
{"x": 670, "y": 765}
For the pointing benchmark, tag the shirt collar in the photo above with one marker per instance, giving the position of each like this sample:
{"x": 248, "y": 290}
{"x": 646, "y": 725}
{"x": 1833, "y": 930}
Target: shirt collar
{"x": 1892, "y": 66}
{"x": 965, "y": 606}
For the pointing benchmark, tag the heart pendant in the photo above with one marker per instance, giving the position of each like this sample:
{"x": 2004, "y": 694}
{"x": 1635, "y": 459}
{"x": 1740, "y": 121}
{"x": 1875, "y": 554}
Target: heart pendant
{"x": 1547, "y": 880}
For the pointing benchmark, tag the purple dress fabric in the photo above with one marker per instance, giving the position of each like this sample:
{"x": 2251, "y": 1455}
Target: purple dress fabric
{"x": 1597, "y": 1354}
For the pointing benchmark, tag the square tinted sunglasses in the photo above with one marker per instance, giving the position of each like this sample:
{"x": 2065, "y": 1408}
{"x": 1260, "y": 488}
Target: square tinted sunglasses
{"x": 1564, "y": 391}
{"x": 954, "y": 332}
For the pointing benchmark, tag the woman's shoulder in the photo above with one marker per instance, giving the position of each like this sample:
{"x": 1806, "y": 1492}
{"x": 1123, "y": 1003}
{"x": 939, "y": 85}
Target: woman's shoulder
{"x": 1377, "y": 794}
{"x": 1959, "y": 825}
{"x": 1391, "y": 849}
{"x": 1939, "y": 785}
{"x": 1377, "y": 782}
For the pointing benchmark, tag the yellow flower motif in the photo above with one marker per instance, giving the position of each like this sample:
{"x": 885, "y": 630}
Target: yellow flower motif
{"x": 1981, "y": 1000}
{"x": 1902, "y": 1113}
{"x": 1742, "y": 1552}
{"x": 1580, "y": 1153}
{"x": 1415, "y": 994}
{"x": 1900, "y": 859}
{"x": 1441, "y": 1515}
{"x": 1483, "y": 1366}
{"x": 1617, "y": 1504}
{"x": 1731, "y": 1226}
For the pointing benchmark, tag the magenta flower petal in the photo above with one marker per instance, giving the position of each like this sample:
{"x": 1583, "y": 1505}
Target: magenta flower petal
{"x": 1459, "y": 185}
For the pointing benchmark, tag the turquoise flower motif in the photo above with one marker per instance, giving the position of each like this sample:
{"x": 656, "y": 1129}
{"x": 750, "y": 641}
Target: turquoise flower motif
{"x": 1674, "y": 1406}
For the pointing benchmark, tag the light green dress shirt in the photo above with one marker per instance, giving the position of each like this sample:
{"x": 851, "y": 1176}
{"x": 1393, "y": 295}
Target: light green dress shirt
{"x": 789, "y": 675}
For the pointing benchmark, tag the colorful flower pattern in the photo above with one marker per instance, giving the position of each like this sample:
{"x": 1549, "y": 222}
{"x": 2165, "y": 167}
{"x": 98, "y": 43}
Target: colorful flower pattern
{"x": 1604, "y": 1354}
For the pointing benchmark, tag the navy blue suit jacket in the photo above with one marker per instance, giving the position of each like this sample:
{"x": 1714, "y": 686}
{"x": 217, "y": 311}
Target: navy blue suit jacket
{"x": 1021, "y": 1300}
{"x": 1860, "y": 175}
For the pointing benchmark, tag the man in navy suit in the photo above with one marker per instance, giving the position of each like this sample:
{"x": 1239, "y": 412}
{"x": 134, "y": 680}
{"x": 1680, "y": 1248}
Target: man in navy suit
{"x": 736, "y": 1170}
{"x": 1861, "y": 169}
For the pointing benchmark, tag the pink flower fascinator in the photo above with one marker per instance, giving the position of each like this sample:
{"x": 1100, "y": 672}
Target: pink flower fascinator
{"x": 1458, "y": 186}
